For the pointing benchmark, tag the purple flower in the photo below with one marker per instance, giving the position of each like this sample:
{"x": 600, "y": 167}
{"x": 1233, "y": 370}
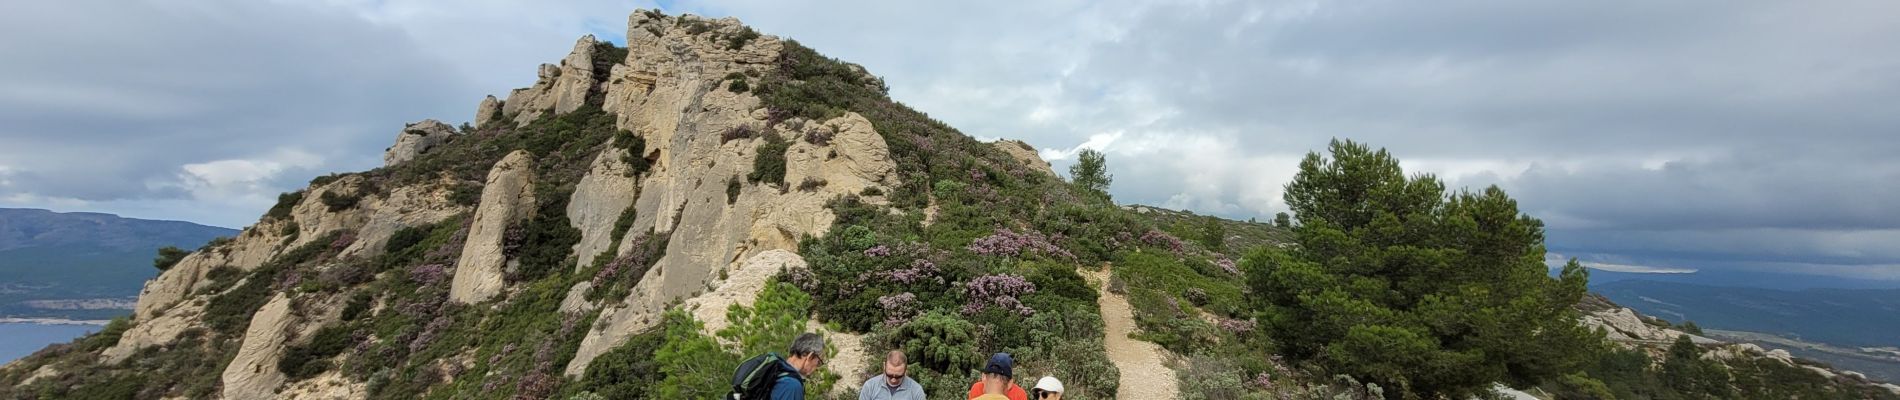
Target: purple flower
{"x": 898, "y": 308}
{"x": 1012, "y": 244}
{"x": 428, "y": 274}
{"x": 1237, "y": 326}
{"x": 803, "y": 278}
{"x": 878, "y": 251}
{"x": 1227, "y": 264}
{"x": 918, "y": 271}
{"x": 1163, "y": 239}
{"x": 998, "y": 291}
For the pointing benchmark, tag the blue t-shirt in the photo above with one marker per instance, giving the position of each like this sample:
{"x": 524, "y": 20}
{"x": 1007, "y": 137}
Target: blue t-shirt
{"x": 789, "y": 386}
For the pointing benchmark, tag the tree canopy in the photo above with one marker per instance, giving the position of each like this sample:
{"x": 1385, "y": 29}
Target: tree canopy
{"x": 1425, "y": 293}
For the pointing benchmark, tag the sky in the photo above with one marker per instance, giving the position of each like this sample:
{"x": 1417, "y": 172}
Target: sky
{"x": 1649, "y": 136}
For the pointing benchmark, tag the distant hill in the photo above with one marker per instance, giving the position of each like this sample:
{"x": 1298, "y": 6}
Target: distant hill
{"x": 46, "y": 255}
{"x": 1842, "y": 317}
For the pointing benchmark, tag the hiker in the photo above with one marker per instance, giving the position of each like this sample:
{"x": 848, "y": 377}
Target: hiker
{"x": 770, "y": 377}
{"x": 806, "y": 353}
{"x": 1048, "y": 388}
{"x": 893, "y": 384}
{"x": 997, "y": 382}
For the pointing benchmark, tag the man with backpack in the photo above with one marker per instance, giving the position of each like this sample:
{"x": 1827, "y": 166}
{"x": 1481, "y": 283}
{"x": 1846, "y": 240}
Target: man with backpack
{"x": 770, "y": 377}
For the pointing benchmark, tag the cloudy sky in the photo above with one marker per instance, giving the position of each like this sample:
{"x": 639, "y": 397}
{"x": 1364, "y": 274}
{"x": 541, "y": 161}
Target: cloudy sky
{"x": 1670, "y": 136}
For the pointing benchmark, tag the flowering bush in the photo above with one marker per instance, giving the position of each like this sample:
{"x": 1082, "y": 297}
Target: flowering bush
{"x": 878, "y": 251}
{"x": 1163, "y": 239}
{"x": 803, "y": 278}
{"x": 429, "y": 274}
{"x": 1000, "y": 291}
{"x": 1196, "y": 296}
{"x": 919, "y": 270}
{"x": 1237, "y": 326}
{"x": 1227, "y": 264}
{"x": 1011, "y": 244}
{"x": 898, "y": 308}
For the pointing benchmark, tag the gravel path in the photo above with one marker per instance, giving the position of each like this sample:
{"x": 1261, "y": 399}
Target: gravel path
{"x": 1145, "y": 374}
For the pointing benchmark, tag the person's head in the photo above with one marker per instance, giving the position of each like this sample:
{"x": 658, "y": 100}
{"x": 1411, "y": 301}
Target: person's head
{"x": 894, "y": 368}
{"x": 807, "y": 352}
{"x": 1049, "y": 388}
{"x": 998, "y": 372}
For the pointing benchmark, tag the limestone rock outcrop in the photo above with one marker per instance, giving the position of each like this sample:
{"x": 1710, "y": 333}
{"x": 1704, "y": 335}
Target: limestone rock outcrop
{"x": 599, "y": 199}
{"x": 253, "y": 373}
{"x": 486, "y": 112}
{"x": 673, "y": 92}
{"x": 741, "y": 287}
{"x": 1622, "y": 324}
{"x": 416, "y": 139}
{"x": 506, "y": 199}
{"x": 560, "y": 89}
{"x": 1023, "y": 152}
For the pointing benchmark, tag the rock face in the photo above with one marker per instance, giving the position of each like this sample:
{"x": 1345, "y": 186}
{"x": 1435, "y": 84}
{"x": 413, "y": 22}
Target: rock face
{"x": 1026, "y": 154}
{"x": 253, "y": 374}
{"x": 1622, "y": 324}
{"x": 416, "y": 139}
{"x": 672, "y": 91}
{"x": 507, "y": 198}
{"x": 599, "y": 199}
{"x": 487, "y": 111}
{"x": 560, "y": 89}
{"x": 741, "y": 287}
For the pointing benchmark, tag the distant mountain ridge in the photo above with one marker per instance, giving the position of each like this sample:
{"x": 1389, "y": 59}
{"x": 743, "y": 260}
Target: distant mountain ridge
{"x": 48, "y": 255}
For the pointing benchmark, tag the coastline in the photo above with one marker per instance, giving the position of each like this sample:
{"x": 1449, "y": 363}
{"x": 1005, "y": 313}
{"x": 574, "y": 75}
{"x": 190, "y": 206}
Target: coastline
{"x": 54, "y": 321}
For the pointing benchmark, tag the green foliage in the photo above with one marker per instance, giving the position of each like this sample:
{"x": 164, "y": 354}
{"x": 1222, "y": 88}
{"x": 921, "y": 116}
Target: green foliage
{"x": 1211, "y": 233}
{"x": 769, "y": 164}
{"x": 285, "y": 202}
{"x": 939, "y": 341}
{"x": 1090, "y": 172}
{"x": 547, "y": 239}
{"x": 1684, "y": 371}
{"x": 636, "y": 148}
{"x": 628, "y": 371}
{"x": 339, "y": 202}
{"x": 693, "y": 366}
{"x": 1425, "y": 294}
{"x": 168, "y": 256}
{"x": 107, "y": 336}
{"x": 771, "y": 323}
{"x": 465, "y": 194}
{"x": 1691, "y": 328}
{"x": 732, "y": 190}
{"x": 1282, "y": 220}
{"x": 305, "y": 360}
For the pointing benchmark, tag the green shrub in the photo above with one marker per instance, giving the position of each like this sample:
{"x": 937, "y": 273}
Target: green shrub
{"x": 628, "y": 371}
{"x": 305, "y": 360}
{"x": 636, "y": 148}
{"x": 465, "y": 194}
{"x": 692, "y": 365}
{"x": 940, "y": 342}
{"x": 168, "y": 256}
{"x": 285, "y": 203}
{"x": 339, "y": 202}
{"x": 732, "y": 190}
{"x": 769, "y": 164}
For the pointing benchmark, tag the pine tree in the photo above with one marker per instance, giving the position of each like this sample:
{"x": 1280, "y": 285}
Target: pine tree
{"x": 1425, "y": 293}
{"x": 1090, "y": 172}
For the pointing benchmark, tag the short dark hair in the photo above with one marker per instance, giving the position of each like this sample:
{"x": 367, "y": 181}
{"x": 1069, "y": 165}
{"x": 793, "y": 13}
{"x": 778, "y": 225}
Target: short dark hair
{"x": 807, "y": 344}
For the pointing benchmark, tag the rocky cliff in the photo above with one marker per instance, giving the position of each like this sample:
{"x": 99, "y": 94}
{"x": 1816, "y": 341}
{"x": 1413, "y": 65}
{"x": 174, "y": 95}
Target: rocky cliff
{"x": 667, "y": 202}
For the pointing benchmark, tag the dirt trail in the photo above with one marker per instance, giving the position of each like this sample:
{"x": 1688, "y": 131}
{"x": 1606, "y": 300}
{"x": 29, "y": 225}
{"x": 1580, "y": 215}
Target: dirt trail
{"x": 1145, "y": 374}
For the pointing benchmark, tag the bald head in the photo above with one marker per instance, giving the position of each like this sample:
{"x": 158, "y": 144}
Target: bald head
{"x": 894, "y": 368}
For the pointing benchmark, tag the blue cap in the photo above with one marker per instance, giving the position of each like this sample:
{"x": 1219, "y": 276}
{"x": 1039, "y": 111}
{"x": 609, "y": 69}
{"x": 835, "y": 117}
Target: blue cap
{"x": 1000, "y": 364}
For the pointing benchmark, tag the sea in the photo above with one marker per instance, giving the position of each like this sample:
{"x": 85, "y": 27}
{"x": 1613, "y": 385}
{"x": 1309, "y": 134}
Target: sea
{"x": 22, "y": 339}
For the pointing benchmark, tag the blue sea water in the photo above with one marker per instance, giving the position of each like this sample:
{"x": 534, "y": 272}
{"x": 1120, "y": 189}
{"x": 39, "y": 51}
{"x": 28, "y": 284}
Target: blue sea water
{"x": 20, "y": 339}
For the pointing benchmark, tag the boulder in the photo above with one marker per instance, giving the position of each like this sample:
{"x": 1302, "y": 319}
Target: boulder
{"x": 417, "y": 139}
{"x": 1025, "y": 154}
{"x": 487, "y": 111}
{"x": 506, "y": 199}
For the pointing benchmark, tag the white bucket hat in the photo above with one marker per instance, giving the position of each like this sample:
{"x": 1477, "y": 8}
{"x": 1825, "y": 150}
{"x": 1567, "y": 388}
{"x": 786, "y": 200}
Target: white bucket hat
{"x": 1049, "y": 384}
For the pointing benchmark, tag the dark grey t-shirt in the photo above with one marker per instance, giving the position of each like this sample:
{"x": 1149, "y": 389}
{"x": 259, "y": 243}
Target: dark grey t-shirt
{"x": 875, "y": 389}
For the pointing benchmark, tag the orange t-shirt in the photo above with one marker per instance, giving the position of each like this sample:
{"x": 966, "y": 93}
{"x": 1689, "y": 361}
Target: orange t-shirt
{"x": 1014, "y": 392}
